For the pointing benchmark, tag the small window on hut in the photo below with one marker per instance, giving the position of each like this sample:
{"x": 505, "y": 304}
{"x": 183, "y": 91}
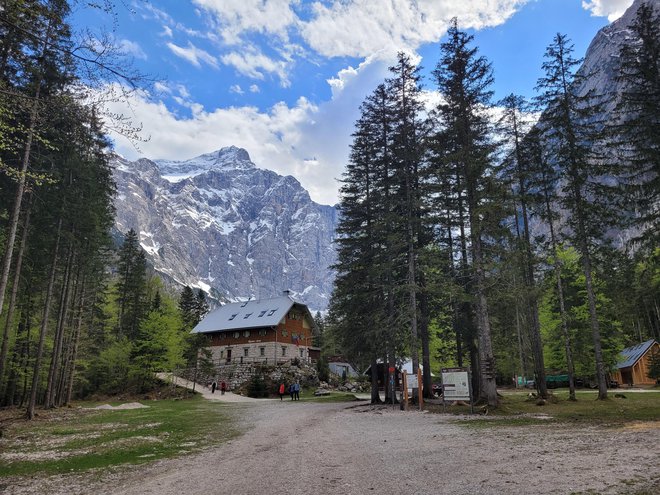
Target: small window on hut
{"x": 233, "y": 316}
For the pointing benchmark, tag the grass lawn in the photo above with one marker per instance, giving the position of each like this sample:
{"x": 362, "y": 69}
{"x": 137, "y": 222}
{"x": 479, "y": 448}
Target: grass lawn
{"x": 78, "y": 439}
{"x": 517, "y": 409}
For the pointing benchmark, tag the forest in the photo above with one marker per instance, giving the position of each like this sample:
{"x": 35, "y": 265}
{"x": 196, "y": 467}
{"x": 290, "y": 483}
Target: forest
{"x": 478, "y": 233}
{"x": 517, "y": 238}
{"x": 81, "y": 311}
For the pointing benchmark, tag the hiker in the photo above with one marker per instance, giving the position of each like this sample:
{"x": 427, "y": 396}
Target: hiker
{"x": 214, "y": 385}
{"x": 291, "y": 391}
{"x": 223, "y": 387}
{"x": 281, "y": 390}
{"x": 296, "y": 390}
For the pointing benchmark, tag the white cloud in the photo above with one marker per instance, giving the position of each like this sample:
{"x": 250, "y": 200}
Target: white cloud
{"x": 359, "y": 28}
{"x": 282, "y": 139}
{"x": 193, "y": 55}
{"x": 235, "y": 17}
{"x": 254, "y": 88}
{"x": 613, "y": 9}
{"x": 251, "y": 62}
{"x": 132, "y": 48}
{"x": 236, "y": 88}
{"x": 167, "y": 32}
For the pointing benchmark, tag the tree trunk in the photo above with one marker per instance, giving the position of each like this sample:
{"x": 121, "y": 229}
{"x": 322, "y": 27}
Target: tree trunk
{"x": 595, "y": 325}
{"x": 14, "y": 291}
{"x": 560, "y": 296}
{"x": 20, "y": 186}
{"x": 375, "y": 395}
{"x": 76, "y": 340}
{"x": 424, "y": 332}
{"x": 44, "y": 325}
{"x": 523, "y": 371}
{"x": 59, "y": 333}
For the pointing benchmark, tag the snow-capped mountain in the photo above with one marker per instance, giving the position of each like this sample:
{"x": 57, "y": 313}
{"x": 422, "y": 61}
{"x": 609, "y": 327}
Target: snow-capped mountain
{"x": 219, "y": 223}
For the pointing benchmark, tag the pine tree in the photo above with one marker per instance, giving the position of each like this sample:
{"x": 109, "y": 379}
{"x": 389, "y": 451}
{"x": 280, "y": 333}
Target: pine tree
{"x": 351, "y": 305}
{"x": 464, "y": 80}
{"x": 201, "y": 307}
{"x": 131, "y": 286}
{"x": 514, "y": 127}
{"x": 409, "y": 179}
{"x": 187, "y": 307}
{"x": 543, "y": 181}
{"x": 571, "y": 134}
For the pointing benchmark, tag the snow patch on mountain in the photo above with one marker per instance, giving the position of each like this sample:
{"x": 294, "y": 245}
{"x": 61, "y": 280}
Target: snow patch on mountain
{"x": 219, "y": 223}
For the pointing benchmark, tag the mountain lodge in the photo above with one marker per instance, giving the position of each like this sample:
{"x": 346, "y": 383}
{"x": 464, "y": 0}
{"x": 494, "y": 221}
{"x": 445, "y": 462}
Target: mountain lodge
{"x": 267, "y": 331}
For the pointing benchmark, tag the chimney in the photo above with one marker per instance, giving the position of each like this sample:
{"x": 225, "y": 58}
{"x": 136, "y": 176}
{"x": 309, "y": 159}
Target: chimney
{"x": 286, "y": 292}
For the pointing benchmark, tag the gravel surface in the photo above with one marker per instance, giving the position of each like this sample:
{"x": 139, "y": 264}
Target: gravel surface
{"x": 339, "y": 448}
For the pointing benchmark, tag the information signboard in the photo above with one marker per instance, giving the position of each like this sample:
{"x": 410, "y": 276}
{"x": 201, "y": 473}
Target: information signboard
{"x": 411, "y": 378}
{"x": 455, "y": 384}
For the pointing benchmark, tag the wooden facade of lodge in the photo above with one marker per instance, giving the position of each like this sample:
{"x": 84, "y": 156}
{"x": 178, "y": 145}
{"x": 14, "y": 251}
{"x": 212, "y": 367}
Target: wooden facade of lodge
{"x": 634, "y": 367}
{"x": 266, "y": 331}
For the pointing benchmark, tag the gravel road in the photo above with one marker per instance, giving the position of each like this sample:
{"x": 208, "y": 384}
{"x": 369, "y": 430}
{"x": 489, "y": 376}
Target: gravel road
{"x": 339, "y": 448}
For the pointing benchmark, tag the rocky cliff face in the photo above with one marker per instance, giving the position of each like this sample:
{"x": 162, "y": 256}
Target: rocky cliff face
{"x": 601, "y": 64}
{"x": 219, "y": 223}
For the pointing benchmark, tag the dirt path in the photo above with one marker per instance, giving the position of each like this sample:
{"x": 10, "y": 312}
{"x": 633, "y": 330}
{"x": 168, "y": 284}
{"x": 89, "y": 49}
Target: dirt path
{"x": 312, "y": 448}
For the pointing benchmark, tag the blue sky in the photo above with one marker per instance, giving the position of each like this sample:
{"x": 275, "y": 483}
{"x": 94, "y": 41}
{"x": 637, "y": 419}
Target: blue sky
{"x": 284, "y": 78}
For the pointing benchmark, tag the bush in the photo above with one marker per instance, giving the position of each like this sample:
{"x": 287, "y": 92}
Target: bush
{"x": 322, "y": 369}
{"x": 257, "y": 387}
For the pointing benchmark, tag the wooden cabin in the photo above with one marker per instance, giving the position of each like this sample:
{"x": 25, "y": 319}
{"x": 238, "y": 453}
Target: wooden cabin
{"x": 634, "y": 365}
{"x": 267, "y": 331}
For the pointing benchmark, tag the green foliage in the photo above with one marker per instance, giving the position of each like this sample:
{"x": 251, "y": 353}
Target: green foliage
{"x": 131, "y": 286}
{"x": 323, "y": 369}
{"x": 654, "y": 366}
{"x": 257, "y": 387}
{"x": 108, "y": 372}
{"x": 579, "y": 324}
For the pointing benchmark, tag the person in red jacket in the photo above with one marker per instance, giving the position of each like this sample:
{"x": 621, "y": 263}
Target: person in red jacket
{"x": 223, "y": 387}
{"x": 281, "y": 390}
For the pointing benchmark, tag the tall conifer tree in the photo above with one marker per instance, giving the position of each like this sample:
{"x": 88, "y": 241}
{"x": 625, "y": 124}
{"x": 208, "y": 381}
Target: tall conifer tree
{"x": 464, "y": 79}
{"x": 572, "y": 138}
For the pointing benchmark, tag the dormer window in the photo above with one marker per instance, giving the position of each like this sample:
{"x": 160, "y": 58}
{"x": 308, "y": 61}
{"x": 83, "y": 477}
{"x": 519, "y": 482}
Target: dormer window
{"x": 262, "y": 313}
{"x": 272, "y": 312}
{"x": 244, "y": 304}
{"x": 247, "y": 316}
{"x": 233, "y": 316}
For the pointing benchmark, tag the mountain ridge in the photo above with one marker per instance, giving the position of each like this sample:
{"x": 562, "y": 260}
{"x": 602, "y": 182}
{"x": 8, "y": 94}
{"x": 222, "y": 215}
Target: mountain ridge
{"x": 220, "y": 223}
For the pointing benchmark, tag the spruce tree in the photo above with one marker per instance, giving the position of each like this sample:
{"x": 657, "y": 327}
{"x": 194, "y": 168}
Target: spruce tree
{"x": 464, "y": 79}
{"x": 409, "y": 129}
{"x": 572, "y": 137}
{"x": 131, "y": 286}
{"x": 187, "y": 307}
{"x": 513, "y": 126}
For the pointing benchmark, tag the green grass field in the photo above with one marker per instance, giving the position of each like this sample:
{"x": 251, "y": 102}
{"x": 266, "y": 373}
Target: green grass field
{"x": 79, "y": 439}
{"x": 516, "y": 408}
